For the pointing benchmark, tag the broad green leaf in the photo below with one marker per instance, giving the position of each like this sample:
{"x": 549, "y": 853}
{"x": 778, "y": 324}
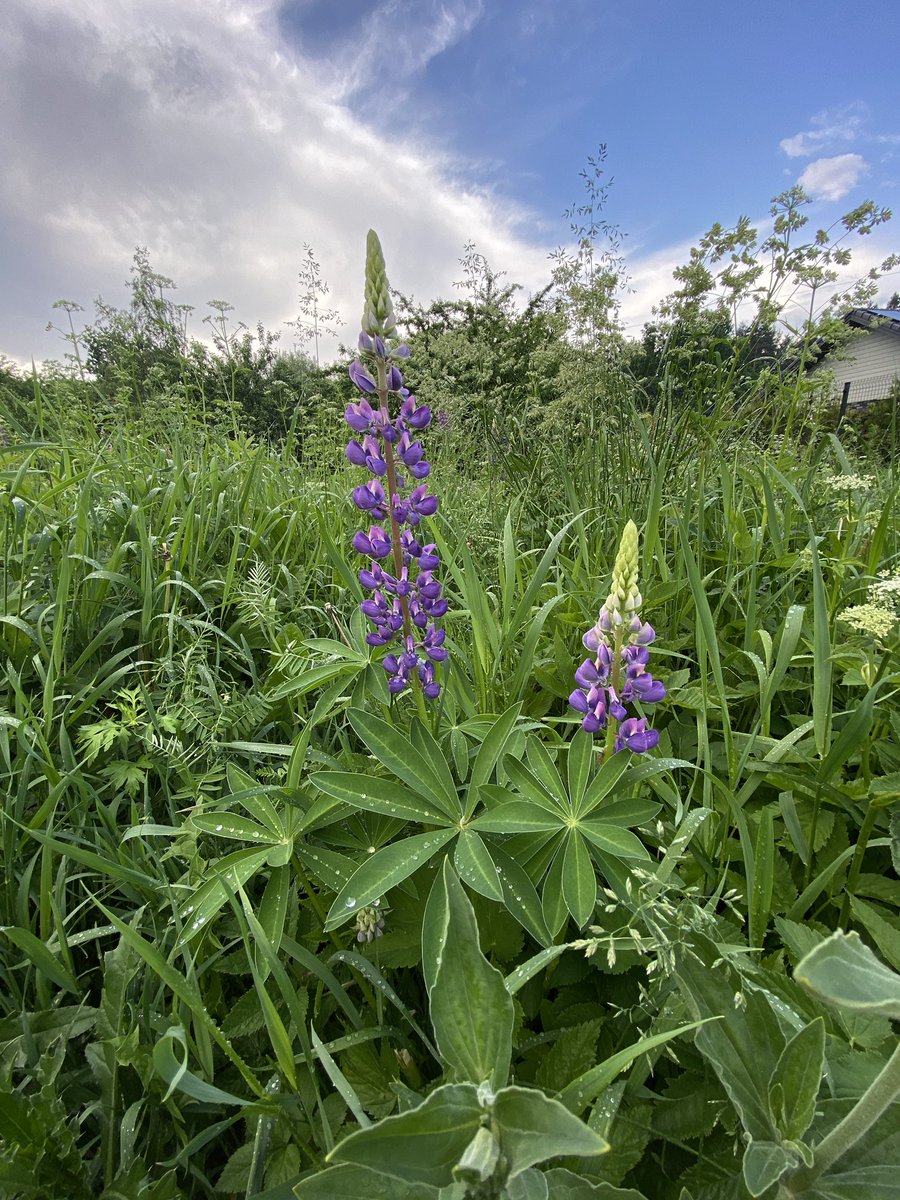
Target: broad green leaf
{"x": 796, "y": 1079}
{"x": 587, "y": 1087}
{"x": 518, "y": 816}
{"x": 274, "y": 904}
{"x": 384, "y": 796}
{"x": 764, "y": 1164}
{"x": 528, "y": 787}
{"x": 530, "y": 1185}
{"x": 534, "y": 1128}
{"x": 41, "y": 958}
{"x": 637, "y": 811}
{"x": 360, "y": 1183}
{"x": 399, "y": 755}
{"x": 383, "y": 871}
{"x": 844, "y": 971}
{"x": 579, "y": 880}
{"x": 743, "y": 1046}
{"x": 419, "y": 1146}
{"x": 471, "y": 1010}
{"x": 605, "y": 780}
{"x": 233, "y": 825}
{"x": 564, "y": 1185}
{"x": 614, "y": 840}
{"x": 476, "y": 867}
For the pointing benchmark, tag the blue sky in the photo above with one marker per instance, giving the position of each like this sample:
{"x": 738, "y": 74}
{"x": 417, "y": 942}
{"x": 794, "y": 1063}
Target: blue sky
{"x": 223, "y": 135}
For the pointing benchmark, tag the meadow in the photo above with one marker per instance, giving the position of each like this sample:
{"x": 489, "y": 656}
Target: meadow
{"x": 272, "y": 927}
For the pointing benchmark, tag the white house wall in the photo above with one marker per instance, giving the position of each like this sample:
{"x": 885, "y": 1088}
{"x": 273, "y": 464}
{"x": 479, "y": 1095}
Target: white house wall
{"x": 871, "y": 365}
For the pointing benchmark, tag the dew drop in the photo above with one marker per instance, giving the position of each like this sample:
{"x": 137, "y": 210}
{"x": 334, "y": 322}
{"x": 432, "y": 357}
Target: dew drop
{"x": 218, "y": 829}
{"x": 350, "y": 902}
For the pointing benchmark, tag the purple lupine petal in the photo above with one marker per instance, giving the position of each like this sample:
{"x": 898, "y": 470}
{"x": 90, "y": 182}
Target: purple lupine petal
{"x": 362, "y": 378}
{"x": 394, "y": 379}
{"x": 578, "y": 700}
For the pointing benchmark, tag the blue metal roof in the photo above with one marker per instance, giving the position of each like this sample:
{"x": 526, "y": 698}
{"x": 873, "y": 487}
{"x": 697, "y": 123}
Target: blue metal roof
{"x": 891, "y": 314}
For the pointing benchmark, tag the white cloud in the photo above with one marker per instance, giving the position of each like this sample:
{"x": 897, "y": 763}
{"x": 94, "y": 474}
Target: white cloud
{"x": 222, "y": 149}
{"x": 829, "y": 128}
{"x": 833, "y": 178}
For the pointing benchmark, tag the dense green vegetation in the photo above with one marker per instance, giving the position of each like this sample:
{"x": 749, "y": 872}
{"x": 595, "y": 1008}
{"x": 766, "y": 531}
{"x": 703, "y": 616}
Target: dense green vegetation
{"x": 191, "y": 714}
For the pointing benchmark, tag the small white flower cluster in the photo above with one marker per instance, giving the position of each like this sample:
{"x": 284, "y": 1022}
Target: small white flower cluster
{"x": 872, "y": 619}
{"x": 878, "y": 616}
{"x": 848, "y": 483}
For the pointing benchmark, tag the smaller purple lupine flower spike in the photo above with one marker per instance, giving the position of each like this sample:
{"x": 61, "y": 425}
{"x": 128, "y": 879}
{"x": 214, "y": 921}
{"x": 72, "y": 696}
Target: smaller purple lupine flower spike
{"x": 618, "y": 675}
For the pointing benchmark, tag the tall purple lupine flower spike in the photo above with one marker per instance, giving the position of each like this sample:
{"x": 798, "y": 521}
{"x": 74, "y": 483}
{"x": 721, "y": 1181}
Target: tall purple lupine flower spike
{"x": 617, "y": 674}
{"x": 406, "y": 601}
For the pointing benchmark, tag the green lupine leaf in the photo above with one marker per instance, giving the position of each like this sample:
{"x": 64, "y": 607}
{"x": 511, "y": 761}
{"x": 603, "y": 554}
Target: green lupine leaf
{"x": 528, "y": 787}
{"x": 553, "y": 900}
{"x": 384, "y": 796}
{"x": 520, "y": 897}
{"x": 333, "y": 870}
{"x": 843, "y": 971}
{"x": 534, "y": 1128}
{"x": 383, "y": 871}
{"x": 233, "y": 825}
{"x": 636, "y": 811}
{"x": 490, "y": 751}
{"x": 471, "y": 1010}
{"x": 544, "y": 770}
{"x": 578, "y": 765}
{"x": 605, "y": 780}
{"x": 579, "y": 881}
{"x": 234, "y": 869}
{"x": 274, "y": 904}
{"x": 614, "y": 840}
{"x": 476, "y": 867}
{"x": 398, "y": 754}
{"x": 798, "y": 1075}
{"x": 518, "y": 816}
{"x": 421, "y": 1146}
{"x": 425, "y": 744}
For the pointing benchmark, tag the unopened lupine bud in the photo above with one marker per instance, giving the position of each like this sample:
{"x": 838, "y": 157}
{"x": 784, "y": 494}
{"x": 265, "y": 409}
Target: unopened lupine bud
{"x": 378, "y": 315}
{"x": 369, "y": 924}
